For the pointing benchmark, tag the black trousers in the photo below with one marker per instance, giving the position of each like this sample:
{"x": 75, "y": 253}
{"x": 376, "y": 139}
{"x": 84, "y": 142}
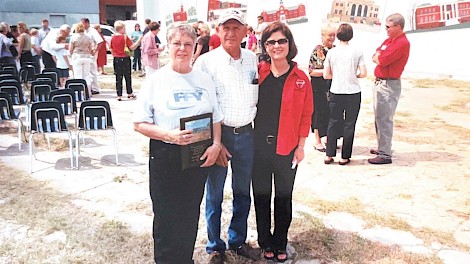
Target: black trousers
{"x": 344, "y": 110}
{"x": 48, "y": 60}
{"x": 122, "y": 68}
{"x": 321, "y": 113}
{"x": 176, "y": 198}
{"x": 137, "y": 62}
{"x": 268, "y": 166}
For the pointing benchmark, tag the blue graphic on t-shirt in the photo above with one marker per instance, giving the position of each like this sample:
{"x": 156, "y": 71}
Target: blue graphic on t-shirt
{"x": 188, "y": 96}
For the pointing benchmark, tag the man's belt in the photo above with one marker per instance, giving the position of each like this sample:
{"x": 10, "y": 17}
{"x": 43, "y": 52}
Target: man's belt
{"x": 386, "y": 79}
{"x": 238, "y": 130}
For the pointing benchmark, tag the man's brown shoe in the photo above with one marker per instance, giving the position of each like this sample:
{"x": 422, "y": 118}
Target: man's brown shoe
{"x": 379, "y": 160}
{"x": 247, "y": 251}
{"x": 217, "y": 257}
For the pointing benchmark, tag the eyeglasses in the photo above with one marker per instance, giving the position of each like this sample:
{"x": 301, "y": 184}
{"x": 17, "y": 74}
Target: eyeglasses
{"x": 273, "y": 42}
{"x": 387, "y": 26}
{"x": 179, "y": 44}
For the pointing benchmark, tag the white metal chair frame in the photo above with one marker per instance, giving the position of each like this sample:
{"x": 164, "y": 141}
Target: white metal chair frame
{"x": 12, "y": 117}
{"x": 77, "y": 139}
{"x": 31, "y": 139}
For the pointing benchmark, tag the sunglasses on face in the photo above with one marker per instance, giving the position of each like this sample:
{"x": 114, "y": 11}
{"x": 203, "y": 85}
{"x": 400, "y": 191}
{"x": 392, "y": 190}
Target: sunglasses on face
{"x": 387, "y": 27}
{"x": 279, "y": 41}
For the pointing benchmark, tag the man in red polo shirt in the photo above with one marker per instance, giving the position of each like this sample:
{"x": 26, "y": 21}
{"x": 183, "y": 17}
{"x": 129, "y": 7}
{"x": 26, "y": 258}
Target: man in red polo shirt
{"x": 391, "y": 58}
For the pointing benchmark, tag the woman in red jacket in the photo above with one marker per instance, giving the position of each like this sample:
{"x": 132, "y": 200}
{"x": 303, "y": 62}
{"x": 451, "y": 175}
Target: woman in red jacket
{"x": 282, "y": 124}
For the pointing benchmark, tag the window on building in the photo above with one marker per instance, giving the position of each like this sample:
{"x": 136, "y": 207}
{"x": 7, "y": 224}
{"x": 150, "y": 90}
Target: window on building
{"x": 340, "y": 11}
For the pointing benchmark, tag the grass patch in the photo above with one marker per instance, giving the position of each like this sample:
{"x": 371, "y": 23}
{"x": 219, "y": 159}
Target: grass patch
{"x": 356, "y": 208}
{"x": 31, "y": 204}
{"x": 313, "y": 240}
{"x": 432, "y": 83}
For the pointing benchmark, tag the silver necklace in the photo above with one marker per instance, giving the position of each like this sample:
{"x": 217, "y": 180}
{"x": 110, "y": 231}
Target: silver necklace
{"x": 279, "y": 74}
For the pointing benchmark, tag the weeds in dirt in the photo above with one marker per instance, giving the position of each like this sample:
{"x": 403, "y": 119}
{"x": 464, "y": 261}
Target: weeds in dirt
{"x": 35, "y": 207}
{"x": 313, "y": 240}
{"x": 432, "y": 83}
{"x": 356, "y": 208}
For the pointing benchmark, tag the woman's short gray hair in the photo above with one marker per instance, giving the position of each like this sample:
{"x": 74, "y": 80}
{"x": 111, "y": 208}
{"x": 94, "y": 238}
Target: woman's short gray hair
{"x": 183, "y": 29}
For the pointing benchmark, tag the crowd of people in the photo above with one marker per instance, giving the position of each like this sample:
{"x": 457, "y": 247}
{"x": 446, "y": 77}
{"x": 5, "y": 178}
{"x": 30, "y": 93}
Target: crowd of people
{"x": 81, "y": 50}
{"x": 262, "y": 109}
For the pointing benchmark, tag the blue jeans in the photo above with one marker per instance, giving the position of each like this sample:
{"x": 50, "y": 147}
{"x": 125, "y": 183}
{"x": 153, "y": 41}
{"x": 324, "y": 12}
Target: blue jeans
{"x": 240, "y": 147}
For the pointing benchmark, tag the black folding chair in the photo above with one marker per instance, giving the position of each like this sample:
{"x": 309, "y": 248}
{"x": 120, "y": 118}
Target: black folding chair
{"x": 10, "y": 67}
{"x": 5, "y": 77}
{"x": 8, "y": 113}
{"x": 55, "y": 72}
{"x": 48, "y": 117}
{"x": 79, "y": 88}
{"x": 67, "y": 101}
{"x": 95, "y": 116}
{"x": 41, "y": 89}
{"x": 15, "y": 90}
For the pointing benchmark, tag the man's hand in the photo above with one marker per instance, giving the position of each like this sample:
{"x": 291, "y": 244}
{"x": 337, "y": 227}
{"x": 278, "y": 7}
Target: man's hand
{"x": 224, "y": 155}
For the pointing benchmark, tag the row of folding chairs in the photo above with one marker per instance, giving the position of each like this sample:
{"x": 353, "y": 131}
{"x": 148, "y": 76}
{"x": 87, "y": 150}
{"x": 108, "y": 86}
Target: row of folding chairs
{"x": 50, "y": 117}
{"x": 29, "y": 73}
{"x": 43, "y": 90}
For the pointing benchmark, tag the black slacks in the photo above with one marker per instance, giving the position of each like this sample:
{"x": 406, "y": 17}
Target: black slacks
{"x": 176, "y": 198}
{"x": 268, "y": 166}
{"x": 122, "y": 68}
{"x": 344, "y": 109}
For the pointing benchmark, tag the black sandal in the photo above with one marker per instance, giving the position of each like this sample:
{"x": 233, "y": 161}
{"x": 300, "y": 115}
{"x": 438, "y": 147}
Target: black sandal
{"x": 283, "y": 253}
{"x": 268, "y": 253}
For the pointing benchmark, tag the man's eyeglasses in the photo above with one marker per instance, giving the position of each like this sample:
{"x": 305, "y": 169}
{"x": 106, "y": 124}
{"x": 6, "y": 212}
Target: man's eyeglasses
{"x": 273, "y": 42}
{"x": 387, "y": 26}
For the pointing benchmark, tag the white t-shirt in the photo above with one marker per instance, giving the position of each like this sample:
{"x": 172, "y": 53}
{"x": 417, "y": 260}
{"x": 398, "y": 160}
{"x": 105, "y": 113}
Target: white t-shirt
{"x": 344, "y": 61}
{"x": 166, "y": 96}
{"x": 34, "y": 42}
{"x": 61, "y": 63}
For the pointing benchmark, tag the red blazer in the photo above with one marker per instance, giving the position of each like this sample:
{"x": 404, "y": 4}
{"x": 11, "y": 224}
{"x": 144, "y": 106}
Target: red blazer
{"x": 296, "y": 108}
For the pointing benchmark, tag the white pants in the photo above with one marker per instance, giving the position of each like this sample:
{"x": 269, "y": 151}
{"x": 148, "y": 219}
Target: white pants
{"x": 94, "y": 73}
{"x": 81, "y": 68}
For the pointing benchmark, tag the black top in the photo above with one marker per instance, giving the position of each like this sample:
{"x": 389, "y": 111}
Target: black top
{"x": 204, "y": 41}
{"x": 269, "y": 104}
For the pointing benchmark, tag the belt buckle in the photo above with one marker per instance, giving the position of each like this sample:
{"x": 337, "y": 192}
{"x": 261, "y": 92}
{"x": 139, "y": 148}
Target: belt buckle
{"x": 268, "y": 139}
{"x": 235, "y": 130}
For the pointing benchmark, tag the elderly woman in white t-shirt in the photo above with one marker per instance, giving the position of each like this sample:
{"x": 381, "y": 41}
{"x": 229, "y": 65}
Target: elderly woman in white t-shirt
{"x": 173, "y": 92}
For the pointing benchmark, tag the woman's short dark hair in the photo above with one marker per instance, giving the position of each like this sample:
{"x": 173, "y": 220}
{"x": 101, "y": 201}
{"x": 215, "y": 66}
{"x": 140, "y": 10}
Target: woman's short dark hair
{"x": 279, "y": 27}
{"x": 344, "y": 32}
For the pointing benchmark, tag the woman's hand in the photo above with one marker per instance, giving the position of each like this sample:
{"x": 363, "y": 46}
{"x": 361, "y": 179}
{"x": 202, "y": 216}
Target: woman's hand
{"x": 299, "y": 155}
{"x": 179, "y": 137}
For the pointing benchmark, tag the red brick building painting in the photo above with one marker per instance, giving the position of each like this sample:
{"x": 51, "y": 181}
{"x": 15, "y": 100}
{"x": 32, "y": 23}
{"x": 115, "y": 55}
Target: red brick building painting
{"x": 216, "y": 6}
{"x": 291, "y": 15}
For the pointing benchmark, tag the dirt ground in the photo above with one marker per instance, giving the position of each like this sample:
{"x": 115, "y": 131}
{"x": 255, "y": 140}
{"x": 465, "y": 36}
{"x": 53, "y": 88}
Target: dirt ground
{"x": 426, "y": 190}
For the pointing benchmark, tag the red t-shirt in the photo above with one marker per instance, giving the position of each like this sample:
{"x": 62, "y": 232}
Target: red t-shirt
{"x": 214, "y": 41}
{"x": 117, "y": 45}
{"x": 393, "y": 57}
